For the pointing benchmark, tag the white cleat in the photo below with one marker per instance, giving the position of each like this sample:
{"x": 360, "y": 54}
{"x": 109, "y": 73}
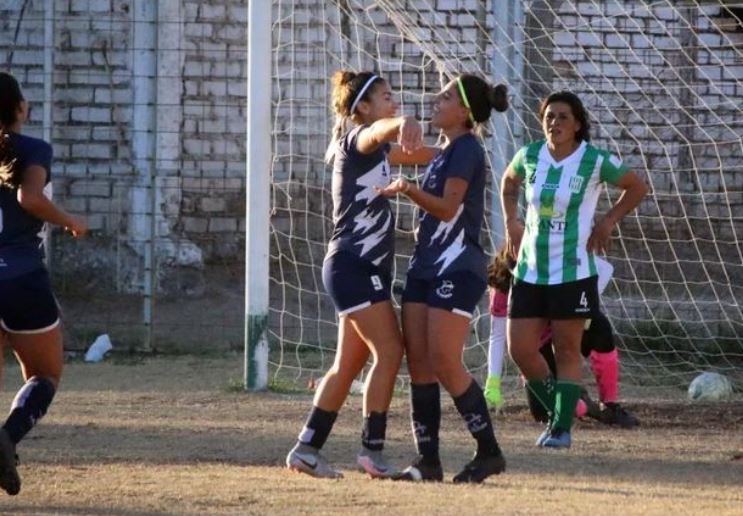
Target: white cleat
{"x": 306, "y": 459}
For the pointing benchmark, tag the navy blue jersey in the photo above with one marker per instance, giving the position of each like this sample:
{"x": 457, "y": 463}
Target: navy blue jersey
{"x": 363, "y": 221}
{"x": 447, "y": 247}
{"x": 20, "y": 232}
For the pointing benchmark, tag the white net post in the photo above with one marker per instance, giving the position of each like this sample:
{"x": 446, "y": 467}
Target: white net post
{"x": 257, "y": 195}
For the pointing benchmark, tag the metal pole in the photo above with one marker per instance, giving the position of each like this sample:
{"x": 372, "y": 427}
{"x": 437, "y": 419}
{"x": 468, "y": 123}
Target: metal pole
{"x": 143, "y": 146}
{"x": 257, "y": 195}
{"x": 48, "y": 92}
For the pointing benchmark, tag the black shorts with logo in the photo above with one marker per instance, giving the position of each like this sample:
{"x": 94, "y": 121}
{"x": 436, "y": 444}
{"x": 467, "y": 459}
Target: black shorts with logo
{"x": 458, "y": 292}
{"x": 353, "y": 282}
{"x": 573, "y": 300}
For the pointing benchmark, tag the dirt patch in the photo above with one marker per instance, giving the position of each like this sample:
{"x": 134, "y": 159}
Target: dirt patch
{"x": 170, "y": 435}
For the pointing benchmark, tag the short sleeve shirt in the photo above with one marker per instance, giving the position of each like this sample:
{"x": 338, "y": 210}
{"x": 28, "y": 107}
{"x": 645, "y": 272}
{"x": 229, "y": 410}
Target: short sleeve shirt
{"x": 21, "y": 234}
{"x": 447, "y": 247}
{"x": 364, "y": 224}
{"x": 561, "y": 200}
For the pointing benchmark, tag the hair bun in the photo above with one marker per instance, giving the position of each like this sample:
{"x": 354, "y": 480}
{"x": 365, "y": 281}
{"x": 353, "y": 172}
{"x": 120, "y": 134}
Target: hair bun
{"x": 343, "y": 77}
{"x": 498, "y": 97}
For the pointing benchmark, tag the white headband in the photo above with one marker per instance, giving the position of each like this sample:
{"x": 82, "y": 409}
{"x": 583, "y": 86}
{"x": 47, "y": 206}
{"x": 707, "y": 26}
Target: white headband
{"x": 361, "y": 93}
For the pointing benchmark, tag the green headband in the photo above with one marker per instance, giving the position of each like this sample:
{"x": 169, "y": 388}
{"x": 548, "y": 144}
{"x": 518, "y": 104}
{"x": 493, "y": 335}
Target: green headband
{"x": 466, "y": 102}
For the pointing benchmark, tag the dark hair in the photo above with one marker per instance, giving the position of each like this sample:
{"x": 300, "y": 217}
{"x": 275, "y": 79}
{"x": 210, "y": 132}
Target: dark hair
{"x": 10, "y": 100}
{"x": 576, "y": 106}
{"x": 499, "y": 271}
{"x": 347, "y": 86}
{"x": 483, "y": 97}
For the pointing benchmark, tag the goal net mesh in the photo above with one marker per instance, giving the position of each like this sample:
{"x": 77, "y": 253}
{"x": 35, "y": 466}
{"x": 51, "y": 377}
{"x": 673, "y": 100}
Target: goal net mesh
{"x": 662, "y": 82}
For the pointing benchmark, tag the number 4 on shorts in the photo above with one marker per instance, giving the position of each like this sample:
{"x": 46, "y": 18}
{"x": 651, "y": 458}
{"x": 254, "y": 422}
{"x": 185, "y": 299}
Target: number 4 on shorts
{"x": 583, "y": 300}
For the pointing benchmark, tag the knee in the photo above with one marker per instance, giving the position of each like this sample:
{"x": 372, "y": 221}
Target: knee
{"x": 567, "y": 355}
{"x": 395, "y": 353}
{"x": 416, "y": 356}
{"x": 520, "y": 353}
{"x": 339, "y": 374}
{"x": 389, "y": 358}
{"x": 444, "y": 366}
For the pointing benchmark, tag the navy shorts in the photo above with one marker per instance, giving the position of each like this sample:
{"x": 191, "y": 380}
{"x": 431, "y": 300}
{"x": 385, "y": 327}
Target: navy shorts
{"x": 458, "y": 292}
{"x": 573, "y": 300}
{"x": 353, "y": 282}
{"x": 27, "y": 304}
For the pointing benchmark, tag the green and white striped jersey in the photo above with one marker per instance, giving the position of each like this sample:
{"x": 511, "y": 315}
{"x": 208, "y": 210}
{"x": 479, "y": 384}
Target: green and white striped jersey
{"x": 561, "y": 200}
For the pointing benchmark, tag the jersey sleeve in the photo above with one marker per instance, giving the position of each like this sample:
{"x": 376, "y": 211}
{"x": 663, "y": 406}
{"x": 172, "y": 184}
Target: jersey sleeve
{"x": 612, "y": 169}
{"x": 517, "y": 163}
{"x": 348, "y": 144}
{"x": 466, "y": 160}
{"x": 40, "y": 154}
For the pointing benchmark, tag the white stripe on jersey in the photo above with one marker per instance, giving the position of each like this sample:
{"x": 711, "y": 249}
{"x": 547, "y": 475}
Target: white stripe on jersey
{"x": 540, "y": 177}
{"x": 585, "y": 219}
{"x": 377, "y": 176}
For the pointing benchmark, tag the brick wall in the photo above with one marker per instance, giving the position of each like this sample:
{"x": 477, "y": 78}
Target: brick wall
{"x": 93, "y": 94}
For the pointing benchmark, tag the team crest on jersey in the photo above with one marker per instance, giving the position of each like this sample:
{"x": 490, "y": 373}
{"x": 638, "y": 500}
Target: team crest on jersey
{"x": 445, "y": 290}
{"x": 576, "y": 183}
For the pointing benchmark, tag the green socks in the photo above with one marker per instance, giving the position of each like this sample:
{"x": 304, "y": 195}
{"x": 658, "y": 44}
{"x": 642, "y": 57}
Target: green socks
{"x": 544, "y": 391}
{"x": 567, "y": 394}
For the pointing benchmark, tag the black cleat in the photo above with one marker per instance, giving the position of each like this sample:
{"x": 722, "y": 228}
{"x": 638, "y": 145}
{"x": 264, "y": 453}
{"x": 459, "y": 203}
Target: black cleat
{"x": 593, "y": 409}
{"x": 9, "y": 479}
{"x": 480, "y": 468}
{"x": 615, "y": 414}
{"x": 421, "y": 470}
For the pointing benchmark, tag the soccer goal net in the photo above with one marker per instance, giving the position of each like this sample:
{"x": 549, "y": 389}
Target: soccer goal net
{"x": 663, "y": 83}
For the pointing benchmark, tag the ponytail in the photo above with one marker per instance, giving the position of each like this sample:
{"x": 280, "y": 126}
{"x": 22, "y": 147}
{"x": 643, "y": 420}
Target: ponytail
{"x": 499, "y": 271}
{"x": 10, "y": 101}
{"x": 10, "y": 175}
{"x": 340, "y": 127}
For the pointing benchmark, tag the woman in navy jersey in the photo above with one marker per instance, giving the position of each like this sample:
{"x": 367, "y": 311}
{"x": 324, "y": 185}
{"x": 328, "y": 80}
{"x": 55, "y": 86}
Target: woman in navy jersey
{"x": 28, "y": 311}
{"x": 357, "y": 268}
{"x": 446, "y": 279}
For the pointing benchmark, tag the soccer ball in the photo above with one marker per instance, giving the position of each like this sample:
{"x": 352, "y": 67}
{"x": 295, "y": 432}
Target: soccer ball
{"x": 710, "y": 387}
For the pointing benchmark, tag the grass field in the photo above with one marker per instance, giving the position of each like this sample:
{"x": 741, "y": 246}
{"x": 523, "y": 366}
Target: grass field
{"x": 170, "y": 435}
